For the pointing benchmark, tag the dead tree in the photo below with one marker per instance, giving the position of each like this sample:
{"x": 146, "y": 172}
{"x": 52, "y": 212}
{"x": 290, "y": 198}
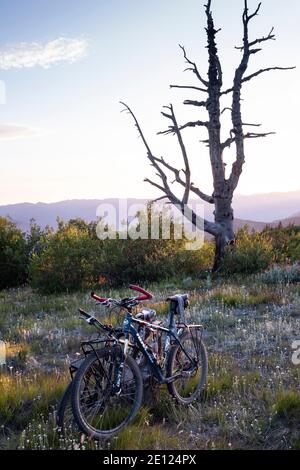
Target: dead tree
{"x": 213, "y": 91}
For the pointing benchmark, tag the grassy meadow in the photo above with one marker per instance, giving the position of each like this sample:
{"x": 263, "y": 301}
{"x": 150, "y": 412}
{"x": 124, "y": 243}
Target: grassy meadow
{"x": 251, "y": 400}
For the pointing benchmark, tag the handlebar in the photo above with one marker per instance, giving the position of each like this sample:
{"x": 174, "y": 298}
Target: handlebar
{"x": 93, "y": 321}
{"x": 99, "y": 299}
{"x": 145, "y": 295}
{"x": 89, "y": 318}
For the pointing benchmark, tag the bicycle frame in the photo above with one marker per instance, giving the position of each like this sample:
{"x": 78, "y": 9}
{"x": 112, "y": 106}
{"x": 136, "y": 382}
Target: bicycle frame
{"x": 129, "y": 329}
{"x": 155, "y": 367}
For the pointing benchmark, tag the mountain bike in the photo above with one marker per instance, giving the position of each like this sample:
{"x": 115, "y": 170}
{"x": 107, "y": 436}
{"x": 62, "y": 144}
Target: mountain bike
{"x": 108, "y": 386}
{"x": 107, "y": 334}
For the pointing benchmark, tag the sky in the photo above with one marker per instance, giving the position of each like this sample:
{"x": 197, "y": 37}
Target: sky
{"x": 66, "y": 64}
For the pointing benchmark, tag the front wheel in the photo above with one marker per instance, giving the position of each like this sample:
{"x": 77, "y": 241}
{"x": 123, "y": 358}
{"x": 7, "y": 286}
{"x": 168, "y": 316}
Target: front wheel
{"x": 191, "y": 372}
{"x": 99, "y": 411}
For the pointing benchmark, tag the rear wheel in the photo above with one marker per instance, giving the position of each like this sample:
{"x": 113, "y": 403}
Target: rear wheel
{"x": 98, "y": 410}
{"x": 191, "y": 373}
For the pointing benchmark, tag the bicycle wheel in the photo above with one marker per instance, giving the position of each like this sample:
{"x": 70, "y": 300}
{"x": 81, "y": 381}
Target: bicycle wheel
{"x": 192, "y": 374}
{"x": 65, "y": 418}
{"x": 99, "y": 412}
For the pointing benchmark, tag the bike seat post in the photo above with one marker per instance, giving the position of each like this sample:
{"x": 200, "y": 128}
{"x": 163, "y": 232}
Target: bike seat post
{"x": 171, "y": 316}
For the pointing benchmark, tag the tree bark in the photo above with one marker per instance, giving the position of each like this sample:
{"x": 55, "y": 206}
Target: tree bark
{"x": 224, "y": 219}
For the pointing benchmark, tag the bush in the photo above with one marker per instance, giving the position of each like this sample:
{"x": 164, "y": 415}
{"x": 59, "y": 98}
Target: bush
{"x": 285, "y": 242}
{"x": 67, "y": 260}
{"x": 13, "y": 255}
{"x": 281, "y": 274}
{"x": 74, "y": 258}
{"x": 253, "y": 253}
{"x": 287, "y": 406}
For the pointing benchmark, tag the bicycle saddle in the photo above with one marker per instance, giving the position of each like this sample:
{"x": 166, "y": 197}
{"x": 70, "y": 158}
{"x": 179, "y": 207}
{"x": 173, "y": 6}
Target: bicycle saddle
{"x": 176, "y": 298}
{"x": 146, "y": 314}
{"x": 179, "y": 303}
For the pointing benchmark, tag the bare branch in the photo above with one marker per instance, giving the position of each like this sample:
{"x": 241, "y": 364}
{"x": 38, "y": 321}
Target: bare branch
{"x": 226, "y": 109}
{"x": 226, "y": 92}
{"x": 194, "y": 124}
{"x": 147, "y": 180}
{"x": 157, "y": 162}
{"x": 172, "y": 129}
{"x": 253, "y": 135}
{"x": 209, "y": 227}
{"x": 189, "y": 87}
{"x": 159, "y": 198}
{"x": 227, "y": 142}
{"x": 259, "y": 72}
{"x": 249, "y": 135}
{"x": 165, "y": 188}
{"x": 269, "y": 37}
{"x": 196, "y": 103}
{"x": 184, "y": 155}
{"x": 178, "y": 179}
{"x": 202, "y": 195}
{"x": 208, "y": 6}
{"x": 194, "y": 68}
{"x": 256, "y": 74}
{"x": 206, "y": 141}
{"x": 255, "y": 13}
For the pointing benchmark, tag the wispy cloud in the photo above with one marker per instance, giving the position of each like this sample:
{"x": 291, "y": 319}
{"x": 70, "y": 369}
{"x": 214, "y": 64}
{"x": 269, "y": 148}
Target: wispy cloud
{"x": 27, "y": 55}
{"x": 8, "y": 131}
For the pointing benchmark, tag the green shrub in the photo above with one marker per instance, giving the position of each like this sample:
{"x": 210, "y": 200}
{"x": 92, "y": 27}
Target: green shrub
{"x": 281, "y": 274}
{"x": 13, "y": 255}
{"x": 253, "y": 253}
{"x": 67, "y": 261}
{"x": 285, "y": 242}
{"x": 74, "y": 258}
{"x": 288, "y": 406}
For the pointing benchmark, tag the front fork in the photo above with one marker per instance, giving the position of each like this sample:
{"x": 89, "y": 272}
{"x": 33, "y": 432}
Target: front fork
{"x": 117, "y": 385}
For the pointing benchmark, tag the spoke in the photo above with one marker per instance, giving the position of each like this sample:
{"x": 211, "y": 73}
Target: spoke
{"x": 100, "y": 408}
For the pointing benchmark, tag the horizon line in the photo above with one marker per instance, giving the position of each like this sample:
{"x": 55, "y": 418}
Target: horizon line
{"x": 135, "y": 197}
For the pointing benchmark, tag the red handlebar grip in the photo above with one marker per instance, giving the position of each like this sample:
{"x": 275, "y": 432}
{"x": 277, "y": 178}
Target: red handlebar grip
{"x": 146, "y": 295}
{"x": 96, "y": 297}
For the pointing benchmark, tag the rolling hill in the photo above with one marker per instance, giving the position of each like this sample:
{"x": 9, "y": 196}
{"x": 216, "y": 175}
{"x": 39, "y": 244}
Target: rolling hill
{"x": 256, "y": 211}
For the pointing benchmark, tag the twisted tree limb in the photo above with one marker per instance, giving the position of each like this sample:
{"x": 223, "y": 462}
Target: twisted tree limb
{"x": 156, "y": 162}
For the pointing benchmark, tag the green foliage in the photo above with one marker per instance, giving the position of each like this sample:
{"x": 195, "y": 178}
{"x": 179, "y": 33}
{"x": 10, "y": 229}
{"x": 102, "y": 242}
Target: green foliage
{"x": 288, "y": 406}
{"x": 281, "y": 274}
{"x": 73, "y": 258}
{"x": 285, "y": 242}
{"x": 253, "y": 253}
{"x": 235, "y": 300}
{"x": 22, "y": 399}
{"x": 257, "y": 251}
{"x": 68, "y": 259}
{"x": 13, "y": 255}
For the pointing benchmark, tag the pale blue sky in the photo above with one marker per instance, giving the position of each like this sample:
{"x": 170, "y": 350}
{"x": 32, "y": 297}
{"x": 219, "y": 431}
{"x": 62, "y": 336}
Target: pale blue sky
{"x": 61, "y": 132}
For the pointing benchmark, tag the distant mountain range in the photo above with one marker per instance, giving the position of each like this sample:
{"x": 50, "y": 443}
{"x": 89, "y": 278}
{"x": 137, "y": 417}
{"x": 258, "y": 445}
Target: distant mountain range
{"x": 255, "y": 210}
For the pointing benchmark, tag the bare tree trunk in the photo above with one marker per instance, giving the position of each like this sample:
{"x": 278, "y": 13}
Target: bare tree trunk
{"x": 224, "y": 218}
